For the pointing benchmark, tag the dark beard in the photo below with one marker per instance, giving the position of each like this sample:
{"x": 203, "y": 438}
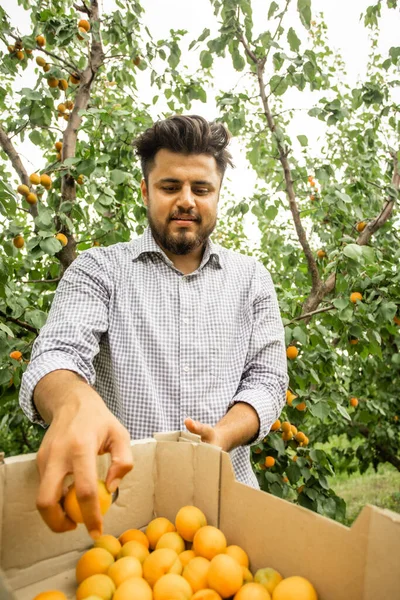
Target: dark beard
{"x": 180, "y": 244}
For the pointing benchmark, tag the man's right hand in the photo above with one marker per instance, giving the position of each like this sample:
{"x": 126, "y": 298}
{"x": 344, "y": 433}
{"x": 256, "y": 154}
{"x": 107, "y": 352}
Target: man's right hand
{"x": 81, "y": 428}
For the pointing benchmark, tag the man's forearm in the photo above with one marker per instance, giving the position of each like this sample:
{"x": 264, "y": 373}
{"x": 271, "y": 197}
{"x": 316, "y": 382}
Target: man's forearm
{"x": 55, "y": 390}
{"x": 238, "y": 427}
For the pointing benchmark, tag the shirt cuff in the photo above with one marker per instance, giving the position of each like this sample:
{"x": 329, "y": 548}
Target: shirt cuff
{"x": 34, "y": 373}
{"x": 266, "y": 406}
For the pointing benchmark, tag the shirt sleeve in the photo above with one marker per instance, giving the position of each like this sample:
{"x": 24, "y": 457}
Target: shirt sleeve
{"x": 77, "y": 319}
{"x": 264, "y": 380}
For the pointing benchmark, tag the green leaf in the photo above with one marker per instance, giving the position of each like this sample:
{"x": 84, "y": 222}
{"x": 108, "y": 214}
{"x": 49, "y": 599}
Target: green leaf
{"x": 303, "y": 140}
{"x": 6, "y": 329}
{"x": 278, "y": 85}
{"x": 272, "y": 9}
{"x": 277, "y": 443}
{"x": 353, "y": 251}
{"x": 36, "y": 317}
{"x": 206, "y": 59}
{"x": 293, "y": 472}
{"x": 343, "y": 412}
{"x": 388, "y": 310}
{"x": 293, "y": 40}
{"x": 117, "y": 176}
{"x": 50, "y": 245}
{"x": 271, "y": 212}
{"x": 304, "y": 8}
{"x": 320, "y": 410}
{"x": 300, "y": 335}
{"x": 238, "y": 61}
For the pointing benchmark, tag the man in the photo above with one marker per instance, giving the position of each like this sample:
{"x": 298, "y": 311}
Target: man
{"x": 166, "y": 331}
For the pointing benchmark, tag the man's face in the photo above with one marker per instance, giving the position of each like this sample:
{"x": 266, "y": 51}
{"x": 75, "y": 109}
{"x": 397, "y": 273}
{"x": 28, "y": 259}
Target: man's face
{"x": 181, "y": 199}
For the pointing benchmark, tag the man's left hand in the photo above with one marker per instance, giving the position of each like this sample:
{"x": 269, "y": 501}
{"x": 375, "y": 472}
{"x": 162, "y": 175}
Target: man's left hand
{"x": 207, "y": 433}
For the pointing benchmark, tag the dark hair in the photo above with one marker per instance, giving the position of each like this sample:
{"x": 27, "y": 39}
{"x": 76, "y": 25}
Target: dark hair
{"x": 186, "y": 135}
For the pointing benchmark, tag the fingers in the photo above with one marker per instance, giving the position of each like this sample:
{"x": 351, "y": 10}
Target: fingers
{"x": 86, "y": 487}
{"x": 205, "y": 431}
{"x": 49, "y": 496}
{"x": 121, "y": 459}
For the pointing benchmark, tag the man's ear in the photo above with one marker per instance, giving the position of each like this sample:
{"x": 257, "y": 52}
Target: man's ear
{"x": 143, "y": 188}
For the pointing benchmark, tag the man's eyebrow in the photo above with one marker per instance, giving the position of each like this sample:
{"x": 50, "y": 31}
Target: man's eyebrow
{"x": 172, "y": 180}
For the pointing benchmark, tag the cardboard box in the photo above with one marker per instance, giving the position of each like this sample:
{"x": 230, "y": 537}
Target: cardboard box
{"x": 173, "y": 470}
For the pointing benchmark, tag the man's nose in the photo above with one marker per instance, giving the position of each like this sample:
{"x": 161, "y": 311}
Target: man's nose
{"x": 186, "y": 197}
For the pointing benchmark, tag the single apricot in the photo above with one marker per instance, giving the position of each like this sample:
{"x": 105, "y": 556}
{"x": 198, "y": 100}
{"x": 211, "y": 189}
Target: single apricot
{"x": 136, "y": 535}
{"x": 109, "y": 543}
{"x": 276, "y": 425}
{"x": 290, "y": 397}
{"x": 45, "y": 180}
{"x": 32, "y": 198}
{"x": 247, "y": 575}
{"x": 63, "y": 85}
{"x": 40, "y": 40}
{"x": 96, "y": 585}
{"x": 354, "y": 402}
{"x": 209, "y": 541}
{"x": 361, "y": 226}
{"x": 188, "y": 521}
{"x": 292, "y": 352}
{"x": 53, "y": 82}
{"x": 93, "y": 562}
{"x": 172, "y": 587}
{"x": 156, "y": 528}
{"x": 301, "y": 406}
{"x": 84, "y": 24}
{"x": 160, "y": 562}
{"x": 173, "y": 540}
{"x": 252, "y": 591}
{"x": 71, "y": 504}
{"x": 225, "y": 575}
{"x": 268, "y": 577}
{"x": 238, "y": 553}
{"x": 134, "y": 548}
{"x": 34, "y": 178}
{"x": 286, "y": 426}
{"x": 295, "y": 587}
{"x": 23, "y": 190}
{"x": 355, "y": 297}
{"x": 186, "y": 556}
{"x": 269, "y": 461}
{"x": 196, "y": 572}
{"x": 133, "y": 588}
{"x": 16, "y": 355}
{"x": 124, "y": 568}
{"x": 19, "y": 241}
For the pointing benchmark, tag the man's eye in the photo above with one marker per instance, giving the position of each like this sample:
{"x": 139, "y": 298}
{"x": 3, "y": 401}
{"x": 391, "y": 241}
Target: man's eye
{"x": 201, "y": 191}
{"x": 169, "y": 189}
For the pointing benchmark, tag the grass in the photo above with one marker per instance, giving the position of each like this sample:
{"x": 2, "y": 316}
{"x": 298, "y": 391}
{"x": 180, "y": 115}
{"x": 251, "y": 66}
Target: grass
{"x": 381, "y": 488}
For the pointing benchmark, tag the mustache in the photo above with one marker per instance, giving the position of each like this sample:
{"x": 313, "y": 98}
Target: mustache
{"x": 185, "y": 217}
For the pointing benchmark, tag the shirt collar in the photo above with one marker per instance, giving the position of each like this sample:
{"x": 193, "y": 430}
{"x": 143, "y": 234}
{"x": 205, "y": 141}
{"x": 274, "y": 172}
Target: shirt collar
{"x": 146, "y": 244}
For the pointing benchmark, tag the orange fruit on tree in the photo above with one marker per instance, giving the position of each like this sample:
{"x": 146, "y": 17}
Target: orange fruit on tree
{"x": 292, "y": 352}
{"x": 61, "y": 107}
{"x": 16, "y": 355}
{"x": 305, "y": 442}
{"x": 80, "y": 179}
{"x": 20, "y": 55}
{"x": 269, "y": 461}
{"x": 361, "y": 226}
{"x": 355, "y": 296}
{"x": 209, "y": 541}
{"x": 34, "y": 178}
{"x": 93, "y": 562}
{"x": 287, "y": 435}
{"x": 301, "y": 406}
{"x": 74, "y": 78}
{"x": 300, "y": 489}
{"x": 300, "y": 437}
{"x": 188, "y": 521}
{"x": 80, "y": 31}
{"x": 294, "y": 588}
{"x": 172, "y": 587}
{"x": 396, "y": 320}
{"x": 136, "y": 61}
{"x": 45, "y": 180}
{"x": 186, "y": 556}
{"x": 71, "y": 504}
{"x": 62, "y": 239}
{"x": 156, "y": 528}
{"x": 96, "y": 585}
{"x": 268, "y": 577}
{"x": 69, "y": 104}
{"x": 160, "y": 562}
{"x": 293, "y": 429}
{"x": 225, "y": 575}
{"x": 238, "y": 553}
{"x": 58, "y": 145}
{"x": 124, "y": 568}
{"x": 63, "y": 85}
{"x": 136, "y": 535}
{"x": 206, "y": 594}
{"x": 40, "y": 61}
{"x": 252, "y": 591}
{"x": 134, "y": 587}
{"x": 51, "y": 595}
{"x": 354, "y": 402}
{"x": 295, "y": 457}
{"x": 275, "y": 425}
{"x": 353, "y": 341}
{"x": 321, "y": 253}
{"x": 23, "y": 190}
{"x": 173, "y": 540}
{"x": 84, "y": 24}
{"x": 53, "y": 82}
{"x": 108, "y": 542}
{"x": 134, "y": 548}
{"x": 46, "y": 68}
{"x": 290, "y": 397}
{"x": 196, "y": 572}
{"x": 286, "y": 426}
{"x": 19, "y": 241}
{"x": 31, "y": 198}
{"x": 40, "y": 40}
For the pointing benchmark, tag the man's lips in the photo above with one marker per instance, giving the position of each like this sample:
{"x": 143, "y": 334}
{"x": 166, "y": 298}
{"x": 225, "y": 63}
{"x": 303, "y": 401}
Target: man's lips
{"x": 183, "y": 219}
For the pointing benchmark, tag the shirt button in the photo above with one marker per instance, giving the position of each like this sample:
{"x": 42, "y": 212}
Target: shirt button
{"x": 186, "y": 368}
{"x": 186, "y": 320}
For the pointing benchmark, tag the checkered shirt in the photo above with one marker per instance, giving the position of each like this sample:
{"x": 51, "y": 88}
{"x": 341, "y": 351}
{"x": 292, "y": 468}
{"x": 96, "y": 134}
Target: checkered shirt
{"x": 159, "y": 346}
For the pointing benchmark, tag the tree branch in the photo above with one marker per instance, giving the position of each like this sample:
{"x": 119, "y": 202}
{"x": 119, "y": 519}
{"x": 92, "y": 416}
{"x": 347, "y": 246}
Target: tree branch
{"x": 310, "y": 314}
{"x": 42, "y": 280}
{"x": 19, "y": 323}
{"x": 68, "y": 190}
{"x": 16, "y": 162}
